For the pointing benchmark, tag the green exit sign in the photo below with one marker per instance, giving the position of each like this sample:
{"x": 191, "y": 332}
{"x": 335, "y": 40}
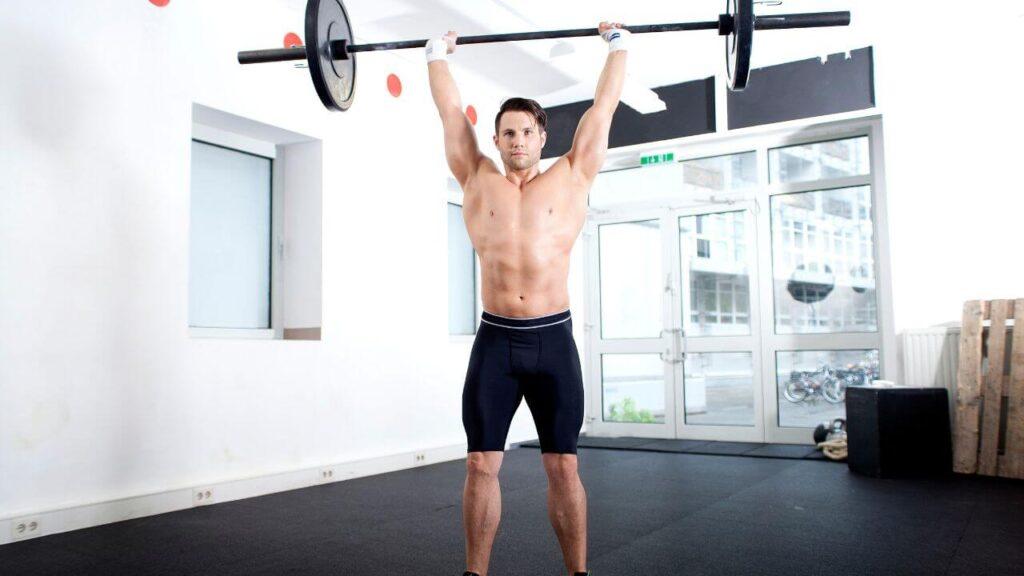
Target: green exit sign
{"x": 658, "y": 158}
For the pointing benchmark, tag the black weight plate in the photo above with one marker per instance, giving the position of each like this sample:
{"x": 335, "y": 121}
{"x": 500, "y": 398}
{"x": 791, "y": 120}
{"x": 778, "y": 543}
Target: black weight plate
{"x": 334, "y": 80}
{"x": 738, "y": 44}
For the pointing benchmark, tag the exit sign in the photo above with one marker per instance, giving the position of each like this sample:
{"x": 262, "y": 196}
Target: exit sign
{"x": 658, "y": 158}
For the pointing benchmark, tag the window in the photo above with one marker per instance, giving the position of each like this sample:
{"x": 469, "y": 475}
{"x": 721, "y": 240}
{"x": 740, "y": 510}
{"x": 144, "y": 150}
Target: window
{"x": 820, "y": 160}
{"x": 230, "y": 238}
{"x": 255, "y": 258}
{"x": 461, "y": 275}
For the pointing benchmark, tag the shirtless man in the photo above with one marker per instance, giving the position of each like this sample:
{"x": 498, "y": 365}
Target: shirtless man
{"x": 523, "y": 224}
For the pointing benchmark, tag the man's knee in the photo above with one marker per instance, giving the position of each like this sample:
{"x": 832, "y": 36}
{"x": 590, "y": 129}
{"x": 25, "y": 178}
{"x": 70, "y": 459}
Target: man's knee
{"x": 483, "y": 465}
{"x": 561, "y": 468}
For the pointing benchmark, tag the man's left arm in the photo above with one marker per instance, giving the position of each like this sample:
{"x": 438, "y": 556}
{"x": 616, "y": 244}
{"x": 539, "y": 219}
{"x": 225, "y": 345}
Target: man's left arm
{"x": 591, "y": 141}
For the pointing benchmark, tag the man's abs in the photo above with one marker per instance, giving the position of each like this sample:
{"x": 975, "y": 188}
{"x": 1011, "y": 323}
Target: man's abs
{"x": 523, "y": 239}
{"x": 524, "y": 287}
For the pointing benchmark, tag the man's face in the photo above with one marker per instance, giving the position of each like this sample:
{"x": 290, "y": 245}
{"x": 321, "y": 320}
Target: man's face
{"x": 519, "y": 140}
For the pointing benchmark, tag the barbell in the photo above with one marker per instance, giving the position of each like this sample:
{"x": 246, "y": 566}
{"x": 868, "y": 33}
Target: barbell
{"x": 331, "y": 55}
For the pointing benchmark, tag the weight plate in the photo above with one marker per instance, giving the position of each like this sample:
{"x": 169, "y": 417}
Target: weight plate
{"x": 334, "y": 80}
{"x": 739, "y": 43}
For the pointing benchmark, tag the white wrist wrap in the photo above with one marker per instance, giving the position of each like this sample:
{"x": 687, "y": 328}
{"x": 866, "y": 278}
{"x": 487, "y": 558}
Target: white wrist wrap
{"x": 617, "y": 39}
{"x": 437, "y": 49}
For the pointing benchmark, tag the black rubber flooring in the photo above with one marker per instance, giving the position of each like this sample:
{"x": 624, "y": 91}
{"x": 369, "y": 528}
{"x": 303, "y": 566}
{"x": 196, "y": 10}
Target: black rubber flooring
{"x": 650, "y": 513}
{"x": 752, "y": 449}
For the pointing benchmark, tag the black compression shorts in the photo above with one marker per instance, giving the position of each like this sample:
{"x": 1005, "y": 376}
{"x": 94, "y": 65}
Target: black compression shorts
{"x": 516, "y": 358}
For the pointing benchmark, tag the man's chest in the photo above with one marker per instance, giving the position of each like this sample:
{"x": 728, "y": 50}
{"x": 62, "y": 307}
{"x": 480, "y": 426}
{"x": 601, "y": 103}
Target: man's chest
{"x": 513, "y": 213}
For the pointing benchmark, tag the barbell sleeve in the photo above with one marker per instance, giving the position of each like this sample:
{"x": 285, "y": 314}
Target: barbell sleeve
{"x": 271, "y": 55}
{"x": 808, "y": 20}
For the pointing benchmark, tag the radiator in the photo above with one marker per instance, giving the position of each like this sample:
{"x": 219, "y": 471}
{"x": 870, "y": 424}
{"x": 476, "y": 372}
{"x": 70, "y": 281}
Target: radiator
{"x": 930, "y": 357}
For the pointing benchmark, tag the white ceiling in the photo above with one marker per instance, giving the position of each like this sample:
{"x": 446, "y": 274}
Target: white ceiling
{"x": 528, "y": 68}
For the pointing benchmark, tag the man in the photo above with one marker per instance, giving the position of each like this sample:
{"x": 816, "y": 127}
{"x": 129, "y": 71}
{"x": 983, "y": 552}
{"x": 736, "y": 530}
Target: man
{"x": 523, "y": 224}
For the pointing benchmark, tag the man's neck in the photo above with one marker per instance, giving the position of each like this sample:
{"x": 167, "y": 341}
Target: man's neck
{"x": 520, "y": 177}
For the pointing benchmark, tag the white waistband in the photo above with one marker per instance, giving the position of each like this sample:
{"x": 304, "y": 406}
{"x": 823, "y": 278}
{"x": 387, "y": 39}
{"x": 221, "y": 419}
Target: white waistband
{"x": 532, "y": 318}
{"x": 566, "y": 319}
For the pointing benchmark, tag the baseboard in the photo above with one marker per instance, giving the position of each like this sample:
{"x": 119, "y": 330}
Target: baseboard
{"x": 302, "y": 333}
{"x": 34, "y": 525}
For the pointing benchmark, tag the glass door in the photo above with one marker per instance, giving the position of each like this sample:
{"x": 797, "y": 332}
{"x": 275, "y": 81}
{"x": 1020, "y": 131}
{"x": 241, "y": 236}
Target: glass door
{"x": 716, "y": 323}
{"x": 674, "y": 343}
{"x": 630, "y": 347}
{"x": 674, "y": 338}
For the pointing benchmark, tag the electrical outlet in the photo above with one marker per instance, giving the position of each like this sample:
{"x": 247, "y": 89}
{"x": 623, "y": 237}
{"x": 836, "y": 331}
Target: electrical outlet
{"x": 421, "y": 457}
{"x": 26, "y": 528}
{"x": 325, "y": 475}
{"x": 202, "y": 496}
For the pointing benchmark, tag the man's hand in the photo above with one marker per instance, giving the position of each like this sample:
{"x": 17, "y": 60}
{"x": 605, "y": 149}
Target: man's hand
{"x": 439, "y": 48}
{"x": 614, "y": 34}
{"x": 450, "y": 39}
{"x": 605, "y": 26}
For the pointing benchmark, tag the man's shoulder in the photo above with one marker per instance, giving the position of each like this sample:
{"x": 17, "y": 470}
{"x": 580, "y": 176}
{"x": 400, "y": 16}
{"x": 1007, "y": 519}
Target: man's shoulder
{"x": 484, "y": 170}
{"x": 562, "y": 168}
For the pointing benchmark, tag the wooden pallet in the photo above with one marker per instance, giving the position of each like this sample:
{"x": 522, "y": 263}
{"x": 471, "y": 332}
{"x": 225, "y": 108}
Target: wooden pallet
{"x": 982, "y": 393}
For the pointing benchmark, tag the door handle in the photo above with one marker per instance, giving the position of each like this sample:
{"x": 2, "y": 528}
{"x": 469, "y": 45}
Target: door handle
{"x": 669, "y": 360}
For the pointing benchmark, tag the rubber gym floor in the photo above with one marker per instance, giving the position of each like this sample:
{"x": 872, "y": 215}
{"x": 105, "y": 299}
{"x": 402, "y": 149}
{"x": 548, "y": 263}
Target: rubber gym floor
{"x": 649, "y": 513}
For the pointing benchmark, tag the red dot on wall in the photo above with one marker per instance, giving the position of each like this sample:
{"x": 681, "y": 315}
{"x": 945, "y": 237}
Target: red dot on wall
{"x": 291, "y": 40}
{"x": 159, "y": 3}
{"x": 394, "y": 85}
{"x": 471, "y": 113}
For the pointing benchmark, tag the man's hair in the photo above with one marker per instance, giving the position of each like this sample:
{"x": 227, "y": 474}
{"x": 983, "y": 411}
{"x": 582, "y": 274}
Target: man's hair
{"x": 523, "y": 105}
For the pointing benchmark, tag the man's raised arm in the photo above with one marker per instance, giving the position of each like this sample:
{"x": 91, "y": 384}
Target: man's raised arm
{"x": 591, "y": 141}
{"x": 460, "y": 145}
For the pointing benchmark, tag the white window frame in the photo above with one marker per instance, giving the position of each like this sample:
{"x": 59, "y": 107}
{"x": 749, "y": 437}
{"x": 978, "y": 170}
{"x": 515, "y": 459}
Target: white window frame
{"x": 266, "y": 149}
{"x": 759, "y": 139}
{"x": 457, "y": 196}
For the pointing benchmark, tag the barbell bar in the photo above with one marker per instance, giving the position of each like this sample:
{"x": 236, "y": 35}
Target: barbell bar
{"x": 331, "y": 57}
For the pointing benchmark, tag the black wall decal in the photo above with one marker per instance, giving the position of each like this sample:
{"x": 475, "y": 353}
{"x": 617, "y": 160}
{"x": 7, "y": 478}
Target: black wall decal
{"x": 690, "y": 110}
{"x": 805, "y": 89}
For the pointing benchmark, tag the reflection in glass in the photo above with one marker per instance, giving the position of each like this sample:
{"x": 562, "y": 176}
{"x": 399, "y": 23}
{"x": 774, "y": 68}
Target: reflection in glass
{"x": 719, "y": 388}
{"x": 823, "y": 266}
{"x": 820, "y": 160}
{"x": 677, "y": 183}
{"x": 711, "y": 179}
{"x": 633, "y": 388}
{"x": 811, "y": 384}
{"x": 631, "y": 281}
{"x": 713, "y": 251}
{"x": 637, "y": 185}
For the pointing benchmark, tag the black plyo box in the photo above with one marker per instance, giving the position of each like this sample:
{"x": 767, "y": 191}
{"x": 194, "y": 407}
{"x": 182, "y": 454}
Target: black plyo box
{"x": 898, "y": 432}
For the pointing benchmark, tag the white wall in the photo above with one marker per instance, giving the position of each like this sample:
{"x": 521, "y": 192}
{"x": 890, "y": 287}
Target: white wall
{"x": 303, "y": 261}
{"x": 949, "y": 88}
{"x": 103, "y": 395}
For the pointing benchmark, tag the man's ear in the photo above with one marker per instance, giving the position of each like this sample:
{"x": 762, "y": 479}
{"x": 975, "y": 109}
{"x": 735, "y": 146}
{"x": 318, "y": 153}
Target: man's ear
{"x": 543, "y": 138}
{"x": 495, "y": 138}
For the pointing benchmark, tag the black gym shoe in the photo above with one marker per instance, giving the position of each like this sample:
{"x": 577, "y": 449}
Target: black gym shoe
{"x": 468, "y": 573}
{"x": 587, "y": 573}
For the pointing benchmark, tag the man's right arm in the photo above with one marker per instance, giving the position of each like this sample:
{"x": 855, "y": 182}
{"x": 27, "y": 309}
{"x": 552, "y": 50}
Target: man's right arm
{"x": 460, "y": 145}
